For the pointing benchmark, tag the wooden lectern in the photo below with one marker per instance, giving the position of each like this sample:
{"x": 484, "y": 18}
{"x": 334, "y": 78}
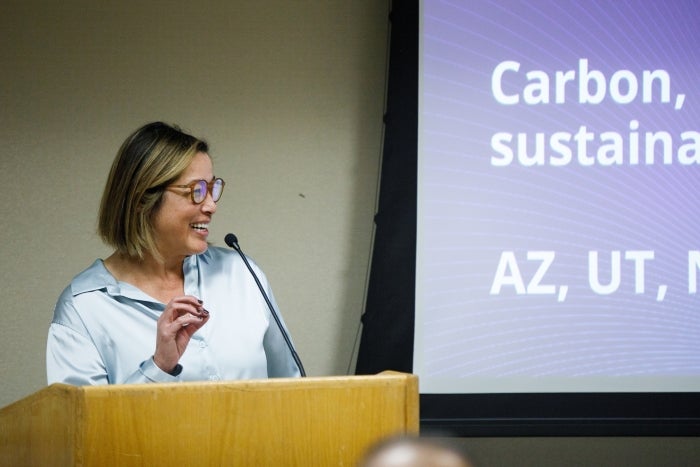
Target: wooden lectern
{"x": 276, "y": 422}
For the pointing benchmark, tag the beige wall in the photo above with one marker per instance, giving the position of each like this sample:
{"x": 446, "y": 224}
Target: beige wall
{"x": 289, "y": 95}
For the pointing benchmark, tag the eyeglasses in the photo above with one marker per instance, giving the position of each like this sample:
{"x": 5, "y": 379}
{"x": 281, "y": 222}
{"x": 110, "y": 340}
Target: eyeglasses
{"x": 200, "y": 188}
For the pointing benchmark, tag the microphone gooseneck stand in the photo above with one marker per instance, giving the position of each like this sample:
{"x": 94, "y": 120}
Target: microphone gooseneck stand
{"x": 232, "y": 241}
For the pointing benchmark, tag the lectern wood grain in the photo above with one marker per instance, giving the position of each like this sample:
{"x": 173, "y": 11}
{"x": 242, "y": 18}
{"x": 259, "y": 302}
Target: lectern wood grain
{"x": 299, "y": 421}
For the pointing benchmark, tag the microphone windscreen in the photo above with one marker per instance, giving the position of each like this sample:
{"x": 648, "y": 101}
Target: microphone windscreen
{"x": 231, "y": 240}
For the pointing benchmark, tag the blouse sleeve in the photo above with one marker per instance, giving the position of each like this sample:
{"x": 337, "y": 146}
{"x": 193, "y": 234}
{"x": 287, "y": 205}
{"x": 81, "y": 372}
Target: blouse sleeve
{"x": 73, "y": 358}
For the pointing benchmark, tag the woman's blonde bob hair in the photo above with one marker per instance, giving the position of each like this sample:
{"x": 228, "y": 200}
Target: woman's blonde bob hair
{"x": 152, "y": 158}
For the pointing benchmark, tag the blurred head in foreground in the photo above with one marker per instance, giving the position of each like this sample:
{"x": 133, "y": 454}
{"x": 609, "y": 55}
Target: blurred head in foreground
{"x": 413, "y": 451}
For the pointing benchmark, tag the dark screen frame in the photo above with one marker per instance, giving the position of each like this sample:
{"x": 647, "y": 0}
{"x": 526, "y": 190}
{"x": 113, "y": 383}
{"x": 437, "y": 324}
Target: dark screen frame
{"x": 389, "y": 317}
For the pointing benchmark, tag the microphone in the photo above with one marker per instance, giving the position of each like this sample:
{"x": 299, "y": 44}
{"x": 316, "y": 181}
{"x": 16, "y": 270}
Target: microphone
{"x": 232, "y": 241}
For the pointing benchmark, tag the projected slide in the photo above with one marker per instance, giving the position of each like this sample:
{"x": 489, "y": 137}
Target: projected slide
{"x": 558, "y": 196}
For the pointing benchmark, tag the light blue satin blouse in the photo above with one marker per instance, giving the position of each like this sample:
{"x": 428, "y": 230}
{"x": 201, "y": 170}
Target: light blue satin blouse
{"x": 104, "y": 331}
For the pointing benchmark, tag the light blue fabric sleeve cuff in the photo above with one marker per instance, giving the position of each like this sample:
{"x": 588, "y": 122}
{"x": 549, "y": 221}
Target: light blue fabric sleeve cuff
{"x": 152, "y": 373}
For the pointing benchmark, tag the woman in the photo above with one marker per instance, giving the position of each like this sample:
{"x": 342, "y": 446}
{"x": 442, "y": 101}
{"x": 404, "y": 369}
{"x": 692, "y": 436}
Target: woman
{"x": 165, "y": 306}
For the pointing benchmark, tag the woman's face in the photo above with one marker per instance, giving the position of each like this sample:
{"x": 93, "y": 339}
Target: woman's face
{"x": 182, "y": 227}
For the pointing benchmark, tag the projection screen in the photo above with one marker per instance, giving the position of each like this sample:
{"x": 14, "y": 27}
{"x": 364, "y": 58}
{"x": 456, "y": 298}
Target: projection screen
{"x": 558, "y": 232}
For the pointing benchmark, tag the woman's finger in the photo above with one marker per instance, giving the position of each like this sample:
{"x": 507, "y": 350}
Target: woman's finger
{"x": 181, "y": 306}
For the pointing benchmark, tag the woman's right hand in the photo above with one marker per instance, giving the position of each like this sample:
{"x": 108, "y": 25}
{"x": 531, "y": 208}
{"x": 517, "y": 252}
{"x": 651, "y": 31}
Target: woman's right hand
{"x": 182, "y": 317}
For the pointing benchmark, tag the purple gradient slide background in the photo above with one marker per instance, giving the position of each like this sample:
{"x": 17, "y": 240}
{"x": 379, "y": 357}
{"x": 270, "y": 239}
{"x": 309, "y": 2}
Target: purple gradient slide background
{"x": 470, "y": 211}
